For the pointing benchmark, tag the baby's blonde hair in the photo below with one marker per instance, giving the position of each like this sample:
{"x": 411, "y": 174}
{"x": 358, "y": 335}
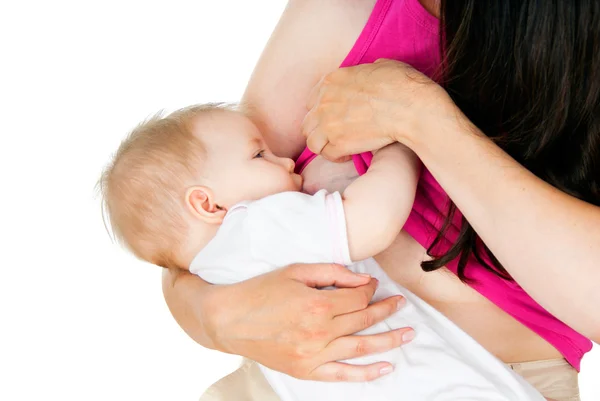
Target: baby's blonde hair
{"x": 143, "y": 187}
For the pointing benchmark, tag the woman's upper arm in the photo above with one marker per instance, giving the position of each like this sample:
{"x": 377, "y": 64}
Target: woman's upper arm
{"x": 311, "y": 39}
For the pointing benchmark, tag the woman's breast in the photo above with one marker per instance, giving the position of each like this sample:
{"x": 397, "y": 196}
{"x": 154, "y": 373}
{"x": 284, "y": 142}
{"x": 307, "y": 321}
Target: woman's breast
{"x": 322, "y": 174}
{"x": 493, "y": 328}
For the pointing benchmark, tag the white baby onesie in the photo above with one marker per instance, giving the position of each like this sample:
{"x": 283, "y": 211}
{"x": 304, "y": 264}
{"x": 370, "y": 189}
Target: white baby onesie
{"x": 442, "y": 363}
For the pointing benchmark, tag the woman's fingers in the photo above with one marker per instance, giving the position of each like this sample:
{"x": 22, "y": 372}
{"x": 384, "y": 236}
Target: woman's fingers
{"x": 348, "y": 300}
{"x": 309, "y": 123}
{"x": 332, "y": 152}
{"x": 326, "y": 275}
{"x": 316, "y": 140}
{"x": 314, "y": 94}
{"x": 316, "y": 143}
{"x": 291, "y": 329}
{"x": 343, "y": 372}
{"x": 365, "y": 107}
{"x": 311, "y": 120}
{"x": 354, "y": 322}
{"x": 356, "y": 346}
{"x": 342, "y": 159}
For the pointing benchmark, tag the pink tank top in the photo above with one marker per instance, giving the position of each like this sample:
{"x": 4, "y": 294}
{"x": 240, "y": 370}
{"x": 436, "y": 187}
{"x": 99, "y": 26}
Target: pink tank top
{"x": 403, "y": 30}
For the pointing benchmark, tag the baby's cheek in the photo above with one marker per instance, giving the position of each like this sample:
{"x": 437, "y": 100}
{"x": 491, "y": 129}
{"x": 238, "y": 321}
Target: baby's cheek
{"x": 323, "y": 174}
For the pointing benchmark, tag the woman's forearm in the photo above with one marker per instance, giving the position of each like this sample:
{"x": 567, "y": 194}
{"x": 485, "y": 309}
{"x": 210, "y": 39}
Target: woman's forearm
{"x": 282, "y": 321}
{"x": 547, "y": 240}
{"x": 185, "y": 294}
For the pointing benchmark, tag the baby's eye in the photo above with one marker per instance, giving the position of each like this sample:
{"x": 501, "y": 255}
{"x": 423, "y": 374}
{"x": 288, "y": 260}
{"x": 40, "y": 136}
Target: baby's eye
{"x": 259, "y": 155}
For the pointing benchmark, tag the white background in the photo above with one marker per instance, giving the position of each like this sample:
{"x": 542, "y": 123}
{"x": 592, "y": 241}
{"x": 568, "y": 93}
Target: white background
{"x": 80, "y": 319}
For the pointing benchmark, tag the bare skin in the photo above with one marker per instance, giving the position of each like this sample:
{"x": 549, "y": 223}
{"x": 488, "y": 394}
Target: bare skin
{"x": 312, "y": 39}
{"x": 498, "y": 332}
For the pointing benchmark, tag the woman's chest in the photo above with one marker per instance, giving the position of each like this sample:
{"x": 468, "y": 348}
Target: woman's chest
{"x": 322, "y": 174}
{"x": 492, "y": 327}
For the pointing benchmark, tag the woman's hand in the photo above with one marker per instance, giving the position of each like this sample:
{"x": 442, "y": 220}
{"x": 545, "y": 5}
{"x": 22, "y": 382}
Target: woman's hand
{"x": 366, "y": 107}
{"x": 284, "y": 322}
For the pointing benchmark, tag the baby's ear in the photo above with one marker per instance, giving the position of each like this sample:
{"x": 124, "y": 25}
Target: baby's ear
{"x": 200, "y": 201}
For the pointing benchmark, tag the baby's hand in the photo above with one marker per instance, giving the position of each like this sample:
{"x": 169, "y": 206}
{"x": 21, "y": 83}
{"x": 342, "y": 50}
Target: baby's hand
{"x": 323, "y": 174}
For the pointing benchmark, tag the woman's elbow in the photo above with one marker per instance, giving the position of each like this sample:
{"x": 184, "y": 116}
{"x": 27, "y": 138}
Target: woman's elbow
{"x": 185, "y": 295}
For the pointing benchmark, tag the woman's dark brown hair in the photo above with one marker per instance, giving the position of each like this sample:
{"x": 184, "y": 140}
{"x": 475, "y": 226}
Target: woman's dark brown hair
{"x": 527, "y": 73}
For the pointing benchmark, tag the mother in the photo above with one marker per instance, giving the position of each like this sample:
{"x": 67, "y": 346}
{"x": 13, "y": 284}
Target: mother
{"x": 513, "y": 138}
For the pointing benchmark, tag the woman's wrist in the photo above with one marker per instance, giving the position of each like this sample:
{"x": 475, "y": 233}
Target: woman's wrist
{"x": 434, "y": 124}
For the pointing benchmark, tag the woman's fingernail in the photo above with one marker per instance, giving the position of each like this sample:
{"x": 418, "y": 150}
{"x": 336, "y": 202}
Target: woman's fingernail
{"x": 386, "y": 370}
{"x": 364, "y": 275}
{"x": 408, "y": 336}
{"x": 401, "y": 303}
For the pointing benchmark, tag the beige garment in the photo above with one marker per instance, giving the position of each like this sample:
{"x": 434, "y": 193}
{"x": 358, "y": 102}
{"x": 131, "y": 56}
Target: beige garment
{"x": 247, "y": 383}
{"x": 556, "y": 379}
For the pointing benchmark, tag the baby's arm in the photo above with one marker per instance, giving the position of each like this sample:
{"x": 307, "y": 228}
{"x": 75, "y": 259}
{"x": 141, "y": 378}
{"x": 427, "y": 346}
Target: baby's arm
{"x": 378, "y": 203}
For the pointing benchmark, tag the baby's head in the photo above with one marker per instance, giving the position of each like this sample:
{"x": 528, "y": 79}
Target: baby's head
{"x": 173, "y": 179}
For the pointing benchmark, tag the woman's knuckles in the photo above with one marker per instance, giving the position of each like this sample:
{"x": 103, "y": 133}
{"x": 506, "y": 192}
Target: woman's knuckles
{"x": 321, "y": 305}
{"x": 368, "y": 320}
{"x": 329, "y": 97}
{"x": 305, "y": 351}
{"x": 361, "y": 347}
{"x": 298, "y": 370}
{"x": 335, "y": 78}
{"x": 340, "y": 375}
{"x": 364, "y": 298}
{"x": 309, "y": 337}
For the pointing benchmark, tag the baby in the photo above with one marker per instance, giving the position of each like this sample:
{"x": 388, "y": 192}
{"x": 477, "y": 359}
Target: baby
{"x": 200, "y": 190}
